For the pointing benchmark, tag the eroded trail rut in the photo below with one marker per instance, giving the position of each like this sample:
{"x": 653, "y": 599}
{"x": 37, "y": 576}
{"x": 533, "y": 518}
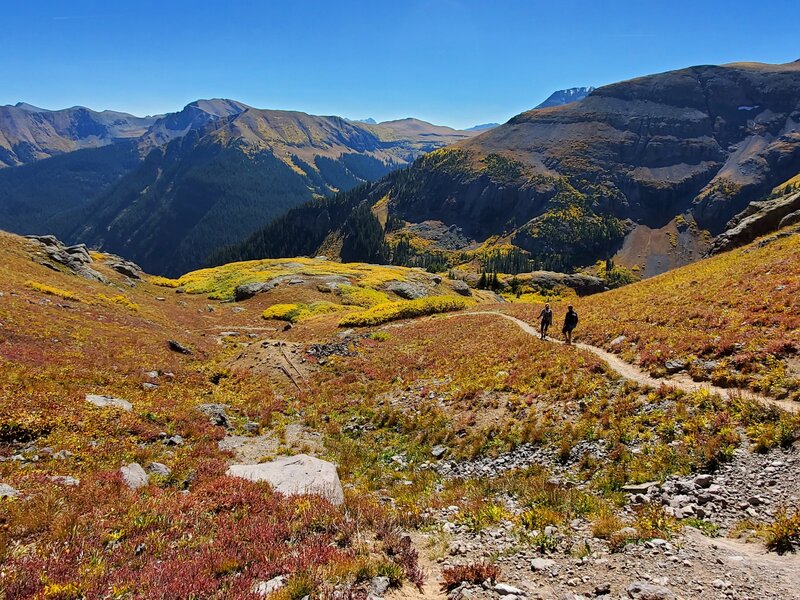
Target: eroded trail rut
{"x": 633, "y": 373}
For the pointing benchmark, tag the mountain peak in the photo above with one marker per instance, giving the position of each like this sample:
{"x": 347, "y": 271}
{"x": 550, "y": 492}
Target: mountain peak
{"x": 561, "y": 97}
{"x": 30, "y": 107}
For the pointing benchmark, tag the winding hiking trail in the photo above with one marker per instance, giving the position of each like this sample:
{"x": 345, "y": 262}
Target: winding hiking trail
{"x": 634, "y": 373}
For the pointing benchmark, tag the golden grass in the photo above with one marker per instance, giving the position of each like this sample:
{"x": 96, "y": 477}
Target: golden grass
{"x": 51, "y": 290}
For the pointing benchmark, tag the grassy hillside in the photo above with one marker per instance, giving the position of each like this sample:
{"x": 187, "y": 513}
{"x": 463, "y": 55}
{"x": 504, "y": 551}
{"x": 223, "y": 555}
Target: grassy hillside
{"x": 730, "y": 319}
{"x": 408, "y": 410}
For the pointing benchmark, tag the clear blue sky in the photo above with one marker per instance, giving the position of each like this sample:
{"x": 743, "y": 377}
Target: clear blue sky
{"x": 454, "y": 62}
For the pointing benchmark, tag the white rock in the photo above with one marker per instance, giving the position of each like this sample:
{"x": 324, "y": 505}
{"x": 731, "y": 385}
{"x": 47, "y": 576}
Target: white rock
{"x": 134, "y": 476}
{"x": 6, "y": 491}
{"x": 265, "y": 588}
{"x": 379, "y": 585}
{"x": 108, "y": 402}
{"x": 542, "y": 564}
{"x": 504, "y": 590}
{"x": 300, "y": 474}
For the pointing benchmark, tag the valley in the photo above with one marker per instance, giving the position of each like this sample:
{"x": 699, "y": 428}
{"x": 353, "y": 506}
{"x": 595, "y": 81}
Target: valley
{"x": 467, "y": 449}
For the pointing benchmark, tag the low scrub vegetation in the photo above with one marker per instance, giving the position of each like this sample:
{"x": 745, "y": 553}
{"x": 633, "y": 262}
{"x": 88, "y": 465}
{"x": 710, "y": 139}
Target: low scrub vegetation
{"x": 51, "y": 290}
{"x": 476, "y": 573}
{"x": 294, "y": 313}
{"x": 394, "y": 311}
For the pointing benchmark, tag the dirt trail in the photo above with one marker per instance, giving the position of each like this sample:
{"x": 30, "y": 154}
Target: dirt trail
{"x": 634, "y": 373}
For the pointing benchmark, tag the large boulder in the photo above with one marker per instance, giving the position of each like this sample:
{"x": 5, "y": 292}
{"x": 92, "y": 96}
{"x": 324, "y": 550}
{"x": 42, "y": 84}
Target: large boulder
{"x": 409, "y": 291}
{"x": 759, "y": 218}
{"x": 108, "y": 402}
{"x": 461, "y": 287}
{"x": 300, "y": 474}
{"x": 134, "y": 476}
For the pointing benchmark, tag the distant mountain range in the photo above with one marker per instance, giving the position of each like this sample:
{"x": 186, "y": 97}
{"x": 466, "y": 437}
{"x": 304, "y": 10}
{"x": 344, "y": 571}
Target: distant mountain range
{"x": 645, "y": 171}
{"x": 28, "y": 133}
{"x": 167, "y": 190}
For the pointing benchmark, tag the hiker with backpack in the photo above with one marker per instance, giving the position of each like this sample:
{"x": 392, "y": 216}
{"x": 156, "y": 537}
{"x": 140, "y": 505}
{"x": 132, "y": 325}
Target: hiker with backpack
{"x": 545, "y": 320}
{"x": 570, "y": 323}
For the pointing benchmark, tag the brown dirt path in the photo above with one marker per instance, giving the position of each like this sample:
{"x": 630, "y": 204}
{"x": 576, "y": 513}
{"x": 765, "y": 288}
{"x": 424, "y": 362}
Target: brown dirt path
{"x": 634, "y": 373}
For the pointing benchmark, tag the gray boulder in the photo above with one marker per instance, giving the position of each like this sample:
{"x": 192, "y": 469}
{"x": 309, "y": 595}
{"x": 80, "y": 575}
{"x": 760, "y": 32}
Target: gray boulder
{"x": 127, "y": 268}
{"x": 215, "y": 413}
{"x": 134, "y": 476}
{"x": 158, "y": 468}
{"x": 108, "y": 402}
{"x": 409, "y": 291}
{"x": 300, "y": 474}
{"x": 461, "y": 287}
{"x": 790, "y": 219}
{"x": 639, "y": 590}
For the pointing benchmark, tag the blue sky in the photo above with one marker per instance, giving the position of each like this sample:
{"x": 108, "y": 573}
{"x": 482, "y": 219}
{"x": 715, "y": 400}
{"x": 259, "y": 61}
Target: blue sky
{"x": 454, "y": 62}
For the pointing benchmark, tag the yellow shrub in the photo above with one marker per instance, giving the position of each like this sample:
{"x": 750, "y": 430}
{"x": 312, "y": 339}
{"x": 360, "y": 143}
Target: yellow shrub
{"x": 364, "y": 297}
{"x": 163, "y": 281}
{"x": 299, "y": 312}
{"x": 119, "y": 299}
{"x": 393, "y": 311}
{"x": 53, "y": 291}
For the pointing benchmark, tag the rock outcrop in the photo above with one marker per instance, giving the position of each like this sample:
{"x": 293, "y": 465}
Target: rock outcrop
{"x": 758, "y": 219}
{"x": 75, "y": 258}
{"x": 300, "y": 474}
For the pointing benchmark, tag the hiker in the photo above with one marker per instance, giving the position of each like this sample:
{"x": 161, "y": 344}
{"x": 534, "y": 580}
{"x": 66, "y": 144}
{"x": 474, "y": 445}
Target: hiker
{"x": 570, "y": 323}
{"x": 545, "y": 319}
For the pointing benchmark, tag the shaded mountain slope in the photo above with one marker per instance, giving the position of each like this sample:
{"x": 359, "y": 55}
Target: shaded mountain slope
{"x": 216, "y": 186}
{"x": 569, "y": 184}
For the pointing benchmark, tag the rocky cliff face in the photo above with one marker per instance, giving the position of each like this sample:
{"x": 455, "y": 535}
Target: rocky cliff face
{"x": 569, "y": 182}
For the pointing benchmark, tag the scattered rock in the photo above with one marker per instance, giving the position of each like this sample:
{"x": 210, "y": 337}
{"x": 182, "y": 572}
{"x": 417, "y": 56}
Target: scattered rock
{"x": 147, "y": 386}
{"x": 178, "y": 347}
{"x": 300, "y": 474}
{"x": 108, "y": 402}
{"x": 438, "y": 451}
{"x": 134, "y": 476}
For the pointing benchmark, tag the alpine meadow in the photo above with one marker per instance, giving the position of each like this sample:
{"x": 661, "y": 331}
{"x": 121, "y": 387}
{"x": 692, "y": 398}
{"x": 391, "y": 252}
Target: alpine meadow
{"x": 538, "y": 341}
